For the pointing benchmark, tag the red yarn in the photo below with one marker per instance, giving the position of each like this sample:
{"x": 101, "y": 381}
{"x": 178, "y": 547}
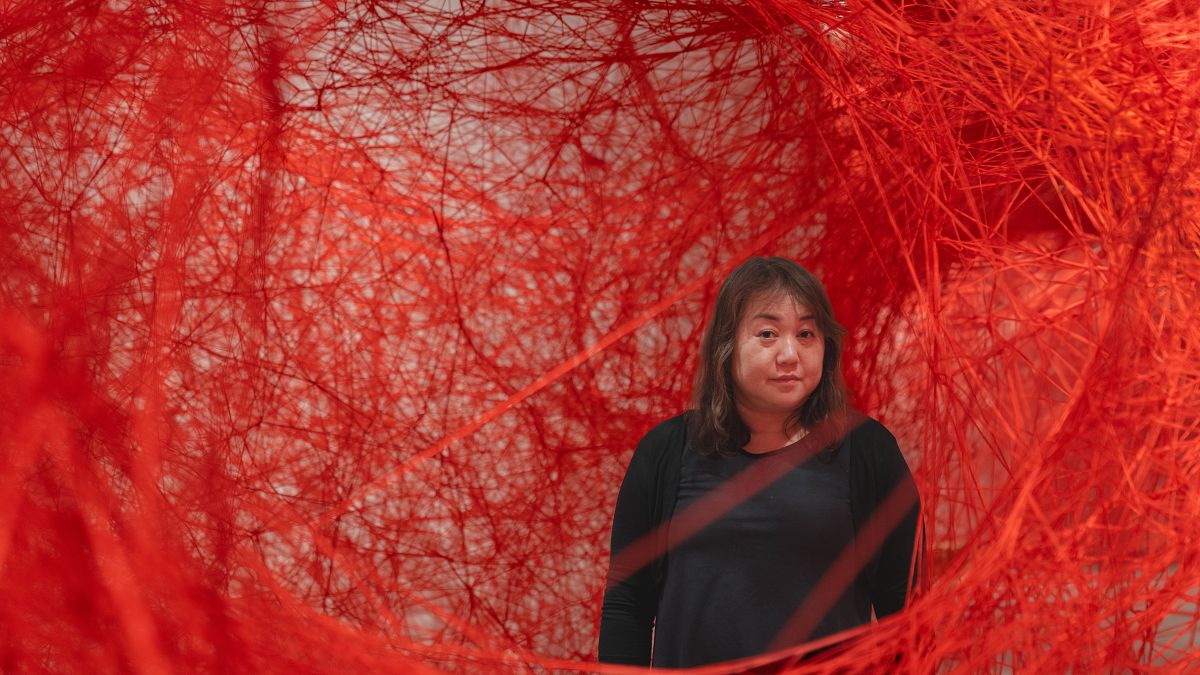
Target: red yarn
{"x": 327, "y": 329}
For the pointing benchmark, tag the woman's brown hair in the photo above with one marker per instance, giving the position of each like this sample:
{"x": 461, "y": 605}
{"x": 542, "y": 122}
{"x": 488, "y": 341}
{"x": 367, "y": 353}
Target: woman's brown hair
{"x": 715, "y": 424}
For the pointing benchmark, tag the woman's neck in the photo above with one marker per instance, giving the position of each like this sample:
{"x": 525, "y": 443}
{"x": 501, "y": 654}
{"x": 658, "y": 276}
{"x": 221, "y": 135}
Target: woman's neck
{"x": 768, "y": 431}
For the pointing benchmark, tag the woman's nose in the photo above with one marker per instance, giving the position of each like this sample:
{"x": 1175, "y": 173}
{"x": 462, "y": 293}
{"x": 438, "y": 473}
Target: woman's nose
{"x": 788, "y": 352}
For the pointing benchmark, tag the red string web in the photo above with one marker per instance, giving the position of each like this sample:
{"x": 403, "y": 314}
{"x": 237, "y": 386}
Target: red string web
{"x": 328, "y": 328}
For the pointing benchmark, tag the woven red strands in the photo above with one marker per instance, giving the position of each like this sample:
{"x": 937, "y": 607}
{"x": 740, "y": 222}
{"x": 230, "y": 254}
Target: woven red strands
{"x": 327, "y": 328}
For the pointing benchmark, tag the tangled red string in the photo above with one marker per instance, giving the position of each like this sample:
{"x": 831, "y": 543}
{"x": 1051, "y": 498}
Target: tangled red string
{"x": 328, "y": 328}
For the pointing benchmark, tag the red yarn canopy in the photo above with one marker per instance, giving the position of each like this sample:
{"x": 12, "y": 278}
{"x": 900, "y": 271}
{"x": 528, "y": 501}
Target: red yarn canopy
{"x": 327, "y": 329}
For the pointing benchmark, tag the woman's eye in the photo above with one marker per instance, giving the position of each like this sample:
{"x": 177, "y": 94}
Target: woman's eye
{"x": 806, "y": 334}
{"x": 766, "y": 333}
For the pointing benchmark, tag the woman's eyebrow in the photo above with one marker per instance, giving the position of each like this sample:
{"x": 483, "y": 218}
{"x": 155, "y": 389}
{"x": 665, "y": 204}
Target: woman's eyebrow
{"x": 772, "y": 317}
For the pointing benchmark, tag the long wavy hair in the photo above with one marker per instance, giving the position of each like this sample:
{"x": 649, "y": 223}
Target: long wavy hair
{"x": 715, "y": 424}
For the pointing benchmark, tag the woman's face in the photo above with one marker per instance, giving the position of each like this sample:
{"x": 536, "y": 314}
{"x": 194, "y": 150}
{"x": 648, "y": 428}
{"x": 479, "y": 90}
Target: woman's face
{"x": 778, "y": 355}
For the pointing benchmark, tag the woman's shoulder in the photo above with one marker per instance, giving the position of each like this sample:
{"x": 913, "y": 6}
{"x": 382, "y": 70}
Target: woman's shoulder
{"x": 667, "y": 434}
{"x": 667, "y": 431}
{"x": 863, "y": 428}
{"x": 671, "y": 425}
{"x": 871, "y": 444}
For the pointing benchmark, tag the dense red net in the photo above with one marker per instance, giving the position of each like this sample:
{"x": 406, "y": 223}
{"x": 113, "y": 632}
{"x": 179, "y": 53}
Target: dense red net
{"x": 328, "y": 328}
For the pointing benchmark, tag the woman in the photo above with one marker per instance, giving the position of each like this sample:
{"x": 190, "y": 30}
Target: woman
{"x": 732, "y": 514}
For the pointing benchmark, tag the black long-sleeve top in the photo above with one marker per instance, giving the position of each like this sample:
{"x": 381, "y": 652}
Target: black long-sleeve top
{"x": 647, "y": 500}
